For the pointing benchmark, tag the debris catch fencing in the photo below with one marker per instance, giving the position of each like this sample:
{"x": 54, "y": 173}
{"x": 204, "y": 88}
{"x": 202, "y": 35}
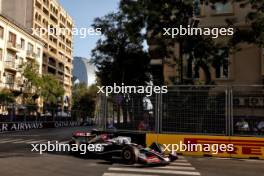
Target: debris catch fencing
{"x": 207, "y": 110}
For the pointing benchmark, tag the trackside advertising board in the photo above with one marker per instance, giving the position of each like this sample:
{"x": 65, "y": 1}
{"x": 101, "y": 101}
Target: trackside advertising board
{"x": 23, "y": 126}
{"x": 242, "y": 147}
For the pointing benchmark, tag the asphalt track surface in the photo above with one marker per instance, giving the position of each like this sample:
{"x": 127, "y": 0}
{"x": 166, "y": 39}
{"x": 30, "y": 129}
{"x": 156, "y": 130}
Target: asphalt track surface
{"x": 17, "y": 159}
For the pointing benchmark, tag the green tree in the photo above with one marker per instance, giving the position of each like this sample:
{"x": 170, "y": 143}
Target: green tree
{"x": 254, "y": 33}
{"x": 154, "y": 15}
{"x": 6, "y": 97}
{"x": 37, "y": 85}
{"x": 32, "y": 84}
{"x": 84, "y": 99}
{"x": 51, "y": 90}
{"x": 119, "y": 57}
{"x": 78, "y": 91}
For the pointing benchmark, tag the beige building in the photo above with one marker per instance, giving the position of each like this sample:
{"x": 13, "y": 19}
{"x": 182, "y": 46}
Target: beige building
{"x": 245, "y": 67}
{"x": 49, "y": 21}
{"x": 17, "y": 46}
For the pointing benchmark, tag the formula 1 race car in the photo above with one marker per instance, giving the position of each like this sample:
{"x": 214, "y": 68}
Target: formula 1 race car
{"x": 123, "y": 148}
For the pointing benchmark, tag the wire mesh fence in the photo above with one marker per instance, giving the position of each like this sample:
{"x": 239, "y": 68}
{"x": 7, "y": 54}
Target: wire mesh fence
{"x": 210, "y": 110}
{"x": 248, "y": 110}
{"x": 194, "y": 110}
{"x": 130, "y": 112}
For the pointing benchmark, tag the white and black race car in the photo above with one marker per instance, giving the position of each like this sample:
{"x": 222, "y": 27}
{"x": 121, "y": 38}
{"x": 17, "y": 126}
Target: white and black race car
{"x": 122, "y": 147}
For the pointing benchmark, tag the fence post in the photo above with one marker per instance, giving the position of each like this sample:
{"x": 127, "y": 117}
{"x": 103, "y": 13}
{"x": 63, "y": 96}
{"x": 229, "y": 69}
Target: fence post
{"x": 227, "y": 109}
{"x": 104, "y": 102}
{"x": 231, "y": 115}
{"x": 160, "y": 113}
{"x": 156, "y": 130}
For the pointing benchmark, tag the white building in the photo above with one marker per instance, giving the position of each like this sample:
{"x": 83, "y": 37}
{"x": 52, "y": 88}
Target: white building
{"x": 17, "y": 46}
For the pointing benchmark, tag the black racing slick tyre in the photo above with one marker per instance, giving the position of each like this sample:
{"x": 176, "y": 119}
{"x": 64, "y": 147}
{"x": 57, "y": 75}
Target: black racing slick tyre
{"x": 130, "y": 155}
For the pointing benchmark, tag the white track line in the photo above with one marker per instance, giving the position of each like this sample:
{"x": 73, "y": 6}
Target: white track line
{"x": 36, "y": 141}
{"x": 9, "y": 141}
{"x": 180, "y": 164}
{"x": 21, "y": 141}
{"x": 181, "y": 160}
{"x": 125, "y": 174}
{"x": 5, "y": 139}
{"x": 175, "y": 167}
{"x": 64, "y": 142}
{"x": 27, "y": 141}
{"x": 161, "y": 171}
{"x": 165, "y": 167}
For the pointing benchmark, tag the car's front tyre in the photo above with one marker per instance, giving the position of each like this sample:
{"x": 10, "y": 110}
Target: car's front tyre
{"x": 130, "y": 154}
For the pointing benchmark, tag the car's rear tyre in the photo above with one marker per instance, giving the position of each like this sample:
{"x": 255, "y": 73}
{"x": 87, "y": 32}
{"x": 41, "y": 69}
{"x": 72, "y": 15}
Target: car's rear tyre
{"x": 130, "y": 155}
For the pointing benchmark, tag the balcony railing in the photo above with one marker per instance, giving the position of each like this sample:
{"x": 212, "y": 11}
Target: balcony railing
{"x": 13, "y": 46}
{"x": 31, "y": 54}
{"x": 12, "y": 86}
{"x": 60, "y": 77}
{"x": 52, "y": 62}
{"x": 67, "y": 80}
{"x": 10, "y": 64}
{"x": 61, "y": 67}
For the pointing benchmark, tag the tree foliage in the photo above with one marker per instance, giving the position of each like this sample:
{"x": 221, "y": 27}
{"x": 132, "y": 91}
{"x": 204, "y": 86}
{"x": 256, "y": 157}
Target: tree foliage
{"x": 38, "y": 85}
{"x": 254, "y": 34}
{"x": 154, "y": 15}
{"x": 84, "y": 98}
{"x": 51, "y": 90}
{"x": 119, "y": 57}
{"x": 6, "y": 97}
{"x": 32, "y": 83}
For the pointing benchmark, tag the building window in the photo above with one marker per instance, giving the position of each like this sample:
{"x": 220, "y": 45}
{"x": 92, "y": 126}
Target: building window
{"x": 22, "y": 43}
{"x": 10, "y": 79}
{"x": 10, "y": 57}
{"x": 222, "y": 69}
{"x": 30, "y": 48}
{"x": 1, "y": 32}
{"x": 223, "y": 8}
{"x": 38, "y": 52}
{"x": 190, "y": 69}
{"x": 20, "y": 61}
{"x": 12, "y": 38}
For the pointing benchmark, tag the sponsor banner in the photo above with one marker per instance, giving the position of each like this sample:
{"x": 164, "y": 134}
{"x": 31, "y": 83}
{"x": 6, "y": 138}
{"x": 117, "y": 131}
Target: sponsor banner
{"x": 23, "y": 126}
{"x": 59, "y": 124}
{"x": 20, "y": 126}
{"x": 243, "y": 147}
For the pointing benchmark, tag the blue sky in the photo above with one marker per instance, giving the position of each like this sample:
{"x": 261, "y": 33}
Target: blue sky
{"x": 83, "y": 13}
